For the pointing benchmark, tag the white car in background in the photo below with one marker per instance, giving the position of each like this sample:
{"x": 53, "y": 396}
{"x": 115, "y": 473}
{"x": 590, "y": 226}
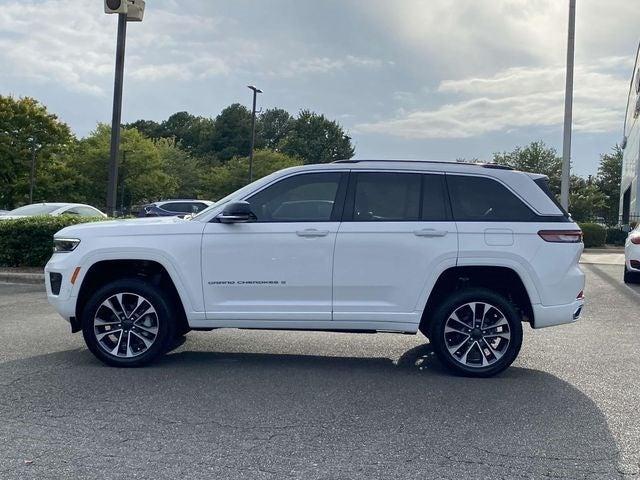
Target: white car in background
{"x": 53, "y": 209}
{"x": 632, "y": 257}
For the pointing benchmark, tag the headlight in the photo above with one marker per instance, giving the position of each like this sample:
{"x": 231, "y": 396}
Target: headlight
{"x": 61, "y": 245}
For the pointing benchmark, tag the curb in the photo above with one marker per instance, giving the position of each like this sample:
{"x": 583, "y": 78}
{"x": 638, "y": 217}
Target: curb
{"x": 25, "y": 278}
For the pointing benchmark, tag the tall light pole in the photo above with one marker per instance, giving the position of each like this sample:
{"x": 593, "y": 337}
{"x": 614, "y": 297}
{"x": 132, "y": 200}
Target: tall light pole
{"x": 32, "y": 176}
{"x": 256, "y": 91}
{"x": 34, "y": 153}
{"x": 568, "y": 108}
{"x": 127, "y": 11}
{"x": 116, "y": 115}
{"x": 124, "y": 162}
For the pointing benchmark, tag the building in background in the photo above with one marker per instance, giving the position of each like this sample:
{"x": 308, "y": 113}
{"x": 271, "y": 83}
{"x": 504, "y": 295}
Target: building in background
{"x": 629, "y": 194}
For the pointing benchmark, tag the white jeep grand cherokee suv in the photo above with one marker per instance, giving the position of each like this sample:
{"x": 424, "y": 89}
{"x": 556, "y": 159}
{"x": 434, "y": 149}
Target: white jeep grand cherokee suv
{"x": 463, "y": 253}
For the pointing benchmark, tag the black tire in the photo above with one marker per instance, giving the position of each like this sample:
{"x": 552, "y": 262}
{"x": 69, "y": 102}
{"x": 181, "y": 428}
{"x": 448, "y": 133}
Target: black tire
{"x": 164, "y": 324}
{"x": 629, "y": 276}
{"x": 495, "y": 363}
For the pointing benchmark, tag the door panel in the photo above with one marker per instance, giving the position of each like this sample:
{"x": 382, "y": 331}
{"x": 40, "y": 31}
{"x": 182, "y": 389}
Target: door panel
{"x": 268, "y": 270}
{"x": 397, "y": 236}
{"x": 381, "y": 270}
{"x": 278, "y": 267}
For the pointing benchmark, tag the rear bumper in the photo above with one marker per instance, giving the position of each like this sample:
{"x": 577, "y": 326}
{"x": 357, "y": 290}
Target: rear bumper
{"x": 548, "y": 316}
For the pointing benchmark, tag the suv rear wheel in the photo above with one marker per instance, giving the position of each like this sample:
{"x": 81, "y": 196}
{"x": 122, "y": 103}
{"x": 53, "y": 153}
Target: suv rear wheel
{"x": 128, "y": 323}
{"x": 476, "y": 332}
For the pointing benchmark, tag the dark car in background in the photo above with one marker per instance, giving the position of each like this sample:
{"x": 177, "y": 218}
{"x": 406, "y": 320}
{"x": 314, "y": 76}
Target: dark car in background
{"x": 172, "y": 208}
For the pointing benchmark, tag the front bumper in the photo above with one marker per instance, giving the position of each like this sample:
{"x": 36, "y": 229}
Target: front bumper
{"x": 65, "y": 301}
{"x": 548, "y": 316}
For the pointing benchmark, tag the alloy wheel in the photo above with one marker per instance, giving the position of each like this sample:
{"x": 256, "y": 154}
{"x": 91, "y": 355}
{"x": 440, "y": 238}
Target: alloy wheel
{"x": 125, "y": 325}
{"x": 477, "y": 334}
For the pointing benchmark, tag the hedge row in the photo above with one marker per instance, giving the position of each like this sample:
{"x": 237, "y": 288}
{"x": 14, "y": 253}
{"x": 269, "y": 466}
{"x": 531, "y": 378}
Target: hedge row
{"x": 616, "y": 236}
{"x": 594, "y": 235}
{"x": 28, "y": 242}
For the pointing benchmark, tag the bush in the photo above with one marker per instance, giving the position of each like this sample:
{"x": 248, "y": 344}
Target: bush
{"x": 28, "y": 242}
{"x": 594, "y": 235}
{"x": 616, "y": 237}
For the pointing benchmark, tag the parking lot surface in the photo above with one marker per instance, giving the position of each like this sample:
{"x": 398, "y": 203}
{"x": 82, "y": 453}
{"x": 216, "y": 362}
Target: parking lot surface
{"x": 256, "y": 404}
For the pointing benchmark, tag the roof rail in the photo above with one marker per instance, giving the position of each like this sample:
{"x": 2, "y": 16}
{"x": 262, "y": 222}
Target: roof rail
{"x": 483, "y": 165}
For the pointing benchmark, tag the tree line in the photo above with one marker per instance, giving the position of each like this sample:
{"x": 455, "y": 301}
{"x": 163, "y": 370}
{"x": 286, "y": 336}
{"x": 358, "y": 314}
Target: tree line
{"x": 592, "y": 199}
{"x": 190, "y": 156}
{"x": 184, "y": 156}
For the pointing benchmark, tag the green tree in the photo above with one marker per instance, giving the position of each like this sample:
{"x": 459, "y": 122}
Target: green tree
{"x": 148, "y": 128}
{"x": 184, "y": 168}
{"x": 273, "y": 127}
{"x": 27, "y": 128}
{"x": 193, "y": 134}
{"x": 142, "y": 172}
{"x": 232, "y": 133}
{"x": 608, "y": 181}
{"x": 315, "y": 139}
{"x": 224, "y": 179}
{"x": 586, "y": 201}
{"x": 536, "y": 157}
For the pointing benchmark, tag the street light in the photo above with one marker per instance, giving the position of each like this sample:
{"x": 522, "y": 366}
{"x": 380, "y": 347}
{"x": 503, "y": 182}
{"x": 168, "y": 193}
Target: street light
{"x": 34, "y": 152}
{"x": 256, "y": 91}
{"x": 127, "y": 11}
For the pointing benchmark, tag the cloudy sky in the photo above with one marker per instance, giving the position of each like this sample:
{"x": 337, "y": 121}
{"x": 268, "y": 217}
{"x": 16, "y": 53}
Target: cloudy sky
{"x": 436, "y": 79}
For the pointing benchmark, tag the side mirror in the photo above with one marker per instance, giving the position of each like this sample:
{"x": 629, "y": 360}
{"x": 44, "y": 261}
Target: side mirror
{"x": 236, "y": 212}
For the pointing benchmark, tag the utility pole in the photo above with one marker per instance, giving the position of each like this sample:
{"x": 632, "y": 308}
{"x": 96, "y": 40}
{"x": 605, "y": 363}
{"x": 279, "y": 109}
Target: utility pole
{"x": 256, "y": 91}
{"x": 117, "y": 114}
{"x": 32, "y": 179}
{"x": 124, "y": 161}
{"x": 568, "y": 108}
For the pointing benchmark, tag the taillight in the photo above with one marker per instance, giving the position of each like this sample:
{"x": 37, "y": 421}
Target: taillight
{"x": 561, "y": 236}
{"x": 635, "y": 239}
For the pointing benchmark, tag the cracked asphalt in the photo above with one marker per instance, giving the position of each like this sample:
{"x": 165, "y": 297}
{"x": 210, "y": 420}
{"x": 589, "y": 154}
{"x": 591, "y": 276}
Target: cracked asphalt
{"x": 236, "y": 404}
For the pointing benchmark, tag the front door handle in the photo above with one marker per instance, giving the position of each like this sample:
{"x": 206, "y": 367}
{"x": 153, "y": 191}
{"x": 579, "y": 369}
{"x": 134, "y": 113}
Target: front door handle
{"x": 312, "y": 232}
{"x": 430, "y": 232}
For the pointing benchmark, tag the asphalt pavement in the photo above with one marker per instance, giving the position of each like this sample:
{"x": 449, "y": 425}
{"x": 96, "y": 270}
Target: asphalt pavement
{"x": 234, "y": 404}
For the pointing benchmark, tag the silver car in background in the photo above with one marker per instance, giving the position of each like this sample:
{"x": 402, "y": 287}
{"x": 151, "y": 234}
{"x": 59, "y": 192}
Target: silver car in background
{"x": 53, "y": 209}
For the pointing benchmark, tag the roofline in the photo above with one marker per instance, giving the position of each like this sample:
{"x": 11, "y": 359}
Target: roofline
{"x": 626, "y": 110}
{"x": 469, "y": 164}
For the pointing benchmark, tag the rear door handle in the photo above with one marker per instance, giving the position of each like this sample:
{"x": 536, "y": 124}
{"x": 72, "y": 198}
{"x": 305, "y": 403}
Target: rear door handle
{"x": 430, "y": 232}
{"x": 312, "y": 232}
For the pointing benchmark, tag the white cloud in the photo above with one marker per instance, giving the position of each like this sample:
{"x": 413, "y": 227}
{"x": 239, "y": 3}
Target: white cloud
{"x": 323, "y": 65}
{"x": 513, "y": 98}
{"x": 45, "y": 43}
{"x": 72, "y": 43}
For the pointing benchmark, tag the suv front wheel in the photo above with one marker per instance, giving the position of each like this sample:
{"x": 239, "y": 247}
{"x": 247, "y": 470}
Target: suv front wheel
{"x": 476, "y": 332}
{"x": 128, "y": 323}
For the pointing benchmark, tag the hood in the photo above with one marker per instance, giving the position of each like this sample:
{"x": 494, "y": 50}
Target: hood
{"x": 134, "y": 226}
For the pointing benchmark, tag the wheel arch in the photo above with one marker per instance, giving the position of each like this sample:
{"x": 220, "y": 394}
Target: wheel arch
{"x": 501, "y": 279}
{"x": 104, "y": 271}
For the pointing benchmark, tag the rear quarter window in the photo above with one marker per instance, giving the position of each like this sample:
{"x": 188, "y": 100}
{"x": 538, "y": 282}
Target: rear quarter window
{"x": 543, "y": 183}
{"x": 482, "y": 199}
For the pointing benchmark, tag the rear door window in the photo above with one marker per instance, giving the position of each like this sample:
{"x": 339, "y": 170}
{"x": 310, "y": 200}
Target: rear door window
{"x": 387, "y": 197}
{"x": 178, "y": 207}
{"x": 481, "y": 199}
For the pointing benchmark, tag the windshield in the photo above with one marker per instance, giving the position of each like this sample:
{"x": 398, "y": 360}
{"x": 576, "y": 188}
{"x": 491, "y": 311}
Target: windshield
{"x": 35, "y": 209}
{"x": 238, "y": 193}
